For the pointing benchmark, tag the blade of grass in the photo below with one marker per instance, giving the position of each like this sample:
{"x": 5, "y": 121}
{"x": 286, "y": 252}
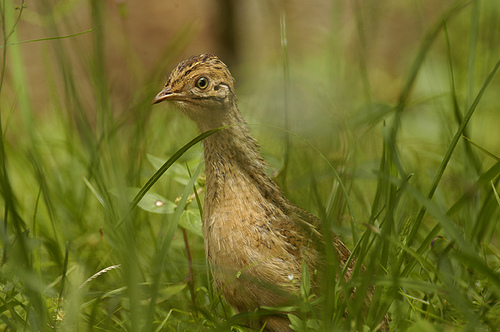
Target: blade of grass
{"x": 169, "y": 163}
{"x": 47, "y": 38}
{"x": 495, "y": 192}
{"x": 161, "y": 254}
{"x": 286, "y": 102}
{"x": 488, "y": 153}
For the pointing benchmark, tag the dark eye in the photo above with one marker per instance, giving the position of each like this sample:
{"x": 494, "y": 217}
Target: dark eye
{"x": 202, "y": 83}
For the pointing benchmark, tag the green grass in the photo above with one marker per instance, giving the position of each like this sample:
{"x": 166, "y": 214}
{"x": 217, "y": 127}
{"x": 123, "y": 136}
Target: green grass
{"x": 405, "y": 170}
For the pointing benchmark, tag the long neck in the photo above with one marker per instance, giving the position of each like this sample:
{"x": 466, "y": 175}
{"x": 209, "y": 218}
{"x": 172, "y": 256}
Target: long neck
{"x": 235, "y": 149}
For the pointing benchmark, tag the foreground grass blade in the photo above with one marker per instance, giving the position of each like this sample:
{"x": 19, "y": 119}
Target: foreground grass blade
{"x": 169, "y": 163}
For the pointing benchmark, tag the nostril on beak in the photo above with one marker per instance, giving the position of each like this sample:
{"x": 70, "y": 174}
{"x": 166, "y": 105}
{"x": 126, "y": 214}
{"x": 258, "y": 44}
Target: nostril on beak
{"x": 164, "y": 94}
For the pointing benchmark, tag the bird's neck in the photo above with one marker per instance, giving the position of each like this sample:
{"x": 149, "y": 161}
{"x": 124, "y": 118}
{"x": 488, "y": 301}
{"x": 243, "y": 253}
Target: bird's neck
{"x": 233, "y": 152}
{"x": 232, "y": 146}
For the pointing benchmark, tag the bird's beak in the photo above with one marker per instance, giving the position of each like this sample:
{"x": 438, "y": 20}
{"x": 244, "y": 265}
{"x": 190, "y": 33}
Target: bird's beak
{"x": 164, "y": 94}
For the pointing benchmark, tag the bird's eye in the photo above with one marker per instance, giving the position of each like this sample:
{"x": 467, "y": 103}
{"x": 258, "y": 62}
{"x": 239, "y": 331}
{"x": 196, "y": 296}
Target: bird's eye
{"x": 202, "y": 83}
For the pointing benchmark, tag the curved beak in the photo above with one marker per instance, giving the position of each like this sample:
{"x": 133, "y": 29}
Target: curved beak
{"x": 168, "y": 94}
{"x": 164, "y": 94}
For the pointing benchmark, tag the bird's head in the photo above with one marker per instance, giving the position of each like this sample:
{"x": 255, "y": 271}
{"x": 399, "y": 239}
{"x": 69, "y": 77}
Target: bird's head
{"x": 201, "y": 85}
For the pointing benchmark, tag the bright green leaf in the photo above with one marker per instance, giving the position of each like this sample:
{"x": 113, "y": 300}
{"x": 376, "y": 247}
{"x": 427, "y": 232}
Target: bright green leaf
{"x": 151, "y": 202}
{"x": 191, "y": 221}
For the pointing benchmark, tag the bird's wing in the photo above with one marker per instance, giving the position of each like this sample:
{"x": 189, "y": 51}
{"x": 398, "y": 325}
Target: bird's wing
{"x": 312, "y": 225}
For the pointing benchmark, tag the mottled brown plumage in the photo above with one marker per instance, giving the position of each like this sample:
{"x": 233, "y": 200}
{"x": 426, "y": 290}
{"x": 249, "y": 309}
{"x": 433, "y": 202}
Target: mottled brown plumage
{"x": 255, "y": 239}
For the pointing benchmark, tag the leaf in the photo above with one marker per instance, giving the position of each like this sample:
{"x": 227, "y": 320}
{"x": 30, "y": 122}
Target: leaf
{"x": 167, "y": 165}
{"x": 178, "y": 171}
{"x": 313, "y": 324}
{"x": 169, "y": 291}
{"x": 191, "y": 221}
{"x": 157, "y": 162}
{"x": 305, "y": 285}
{"x": 96, "y": 194}
{"x": 151, "y": 202}
{"x": 296, "y": 323}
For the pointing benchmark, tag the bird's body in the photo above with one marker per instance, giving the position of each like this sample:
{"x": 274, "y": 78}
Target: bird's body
{"x": 255, "y": 240}
{"x": 249, "y": 229}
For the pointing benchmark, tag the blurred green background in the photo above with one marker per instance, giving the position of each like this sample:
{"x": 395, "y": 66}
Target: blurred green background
{"x": 392, "y": 110}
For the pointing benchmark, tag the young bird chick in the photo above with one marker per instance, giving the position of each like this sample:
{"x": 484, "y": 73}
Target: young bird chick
{"x": 255, "y": 239}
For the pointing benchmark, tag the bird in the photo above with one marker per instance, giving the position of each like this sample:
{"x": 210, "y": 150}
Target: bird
{"x": 256, "y": 241}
